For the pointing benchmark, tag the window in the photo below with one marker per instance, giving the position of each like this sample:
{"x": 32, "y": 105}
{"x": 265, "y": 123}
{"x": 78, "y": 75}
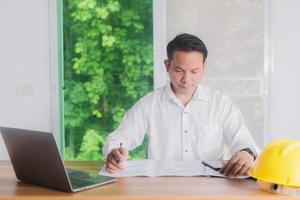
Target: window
{"x": 108, "y": 66}
{"x": 234, "y": 34}
{"x": 108, "y": 61}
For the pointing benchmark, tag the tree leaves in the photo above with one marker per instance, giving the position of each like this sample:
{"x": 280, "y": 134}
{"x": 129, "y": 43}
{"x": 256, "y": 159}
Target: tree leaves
{"x": 90, "y": 146}
{"x": 108, "y": 66}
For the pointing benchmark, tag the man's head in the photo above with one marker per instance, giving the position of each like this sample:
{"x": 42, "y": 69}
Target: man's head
{"x": 186, "y": 62}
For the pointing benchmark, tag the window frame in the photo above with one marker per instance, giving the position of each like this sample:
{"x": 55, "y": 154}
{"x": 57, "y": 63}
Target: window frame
{"x": 55, "y": 20}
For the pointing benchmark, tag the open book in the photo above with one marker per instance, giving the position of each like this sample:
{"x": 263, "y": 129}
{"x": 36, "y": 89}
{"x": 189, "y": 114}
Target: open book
{"x": 163, "y": 168}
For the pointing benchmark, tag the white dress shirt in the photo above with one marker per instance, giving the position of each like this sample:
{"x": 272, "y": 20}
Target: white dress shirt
{"x": 201, "y": 130}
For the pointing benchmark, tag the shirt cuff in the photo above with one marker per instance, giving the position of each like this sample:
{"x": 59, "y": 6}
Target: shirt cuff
{"x": 251, "y": 152}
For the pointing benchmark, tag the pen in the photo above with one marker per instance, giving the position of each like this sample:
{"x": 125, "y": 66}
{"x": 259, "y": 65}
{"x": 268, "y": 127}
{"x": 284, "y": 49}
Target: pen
{"x": 210, "y": 166}
{"x": 215, "y": 165}
{"x": 121, "y": 146}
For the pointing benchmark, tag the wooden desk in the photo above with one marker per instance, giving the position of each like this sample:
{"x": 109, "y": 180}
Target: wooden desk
{"x": 138, "y": 188}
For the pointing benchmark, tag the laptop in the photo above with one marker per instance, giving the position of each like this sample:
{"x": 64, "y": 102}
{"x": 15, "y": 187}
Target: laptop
{"x": 36, "y": 159}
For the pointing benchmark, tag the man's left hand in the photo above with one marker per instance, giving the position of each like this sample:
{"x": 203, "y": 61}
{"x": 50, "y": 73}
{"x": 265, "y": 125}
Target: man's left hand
{"x": 238, "y": 165}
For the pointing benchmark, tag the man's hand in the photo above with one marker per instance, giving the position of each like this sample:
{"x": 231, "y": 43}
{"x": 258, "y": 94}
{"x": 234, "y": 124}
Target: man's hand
{"x": 114, "y": 160}
{"x": 238, "y": 165}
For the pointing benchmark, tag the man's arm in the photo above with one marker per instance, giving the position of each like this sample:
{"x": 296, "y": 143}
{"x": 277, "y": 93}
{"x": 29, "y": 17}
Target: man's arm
{"x": 241, "y": 143}
{"x": 130, "y": 134}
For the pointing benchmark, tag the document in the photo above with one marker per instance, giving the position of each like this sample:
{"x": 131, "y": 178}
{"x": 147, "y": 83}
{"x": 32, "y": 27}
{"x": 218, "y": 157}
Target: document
{"x": 154, "y": 168}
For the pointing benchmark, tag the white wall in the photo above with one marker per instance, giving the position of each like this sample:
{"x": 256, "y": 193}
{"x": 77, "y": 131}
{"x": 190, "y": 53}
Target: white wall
{"x": 159, "y": 41}
{"x": 285, "y": 71}
{"x": 24, "y": 66}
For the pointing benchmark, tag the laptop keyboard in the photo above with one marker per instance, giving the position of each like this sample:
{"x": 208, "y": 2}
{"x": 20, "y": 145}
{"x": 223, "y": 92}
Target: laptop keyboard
{"x": 80, "y": 183}
{"x": 81, "y": 179}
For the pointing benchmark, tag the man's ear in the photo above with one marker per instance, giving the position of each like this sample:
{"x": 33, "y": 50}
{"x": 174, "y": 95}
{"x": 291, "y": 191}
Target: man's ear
{"x": 204, "y": 65}
{"x": 167, "y": 64}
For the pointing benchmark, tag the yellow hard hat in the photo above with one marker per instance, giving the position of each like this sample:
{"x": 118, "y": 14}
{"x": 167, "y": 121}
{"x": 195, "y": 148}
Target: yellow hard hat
{"x": 279, "y": 163}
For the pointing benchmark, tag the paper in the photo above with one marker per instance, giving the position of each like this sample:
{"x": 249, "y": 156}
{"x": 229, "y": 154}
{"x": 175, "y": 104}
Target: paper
{"x": 154, "y": 168}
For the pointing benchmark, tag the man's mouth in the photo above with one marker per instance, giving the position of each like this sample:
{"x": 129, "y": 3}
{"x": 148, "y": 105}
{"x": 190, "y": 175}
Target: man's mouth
{"x": 185, "y": 86}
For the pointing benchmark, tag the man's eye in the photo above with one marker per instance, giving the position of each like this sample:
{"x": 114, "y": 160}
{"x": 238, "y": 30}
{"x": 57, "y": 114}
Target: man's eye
{"x": 177, "y": 70}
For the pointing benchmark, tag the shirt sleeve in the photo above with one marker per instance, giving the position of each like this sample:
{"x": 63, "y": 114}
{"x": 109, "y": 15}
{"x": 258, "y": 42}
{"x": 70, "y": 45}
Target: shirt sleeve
{"x": 131, "y": 130}
{"x": 236, "y": 133}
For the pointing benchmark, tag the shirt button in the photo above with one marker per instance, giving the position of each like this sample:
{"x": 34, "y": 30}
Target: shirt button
{"x": 185, "y": 112}
{"x": 185, "y": 131}
{"x": 186, "y": 151}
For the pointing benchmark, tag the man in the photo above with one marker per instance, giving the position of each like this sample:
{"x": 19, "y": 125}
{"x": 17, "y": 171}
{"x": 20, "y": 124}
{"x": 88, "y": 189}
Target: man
{"x": 184, "y": 119}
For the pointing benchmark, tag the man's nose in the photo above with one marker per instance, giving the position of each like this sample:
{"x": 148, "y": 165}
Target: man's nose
{"x": 187, "y": 78}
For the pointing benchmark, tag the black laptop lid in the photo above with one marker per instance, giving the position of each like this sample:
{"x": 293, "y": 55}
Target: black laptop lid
{"x": 35, "y": 158}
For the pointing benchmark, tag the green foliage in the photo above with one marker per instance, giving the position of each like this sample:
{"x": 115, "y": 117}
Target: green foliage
{"x": 69, "y": 154}
{"x": 90, "y": 147}
{"x": 108, "y": 66}
{"x": 139, "y": 152}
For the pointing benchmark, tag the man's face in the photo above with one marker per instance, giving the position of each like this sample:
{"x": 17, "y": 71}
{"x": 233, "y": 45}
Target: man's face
{"x": 186, "y": 70}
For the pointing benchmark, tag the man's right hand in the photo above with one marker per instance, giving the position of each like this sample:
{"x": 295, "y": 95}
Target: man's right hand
{"x": 114, "y": 160}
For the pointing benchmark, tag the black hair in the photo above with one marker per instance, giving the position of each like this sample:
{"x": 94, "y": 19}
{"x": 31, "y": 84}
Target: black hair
{"x": 186, "y": 42}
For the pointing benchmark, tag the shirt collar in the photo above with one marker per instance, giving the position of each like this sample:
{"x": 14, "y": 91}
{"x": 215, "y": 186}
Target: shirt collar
{"x": 200, "y": 93}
